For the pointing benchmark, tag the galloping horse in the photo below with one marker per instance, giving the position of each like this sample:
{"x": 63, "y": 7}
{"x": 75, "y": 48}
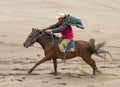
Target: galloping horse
{"x": 49, "y": 43}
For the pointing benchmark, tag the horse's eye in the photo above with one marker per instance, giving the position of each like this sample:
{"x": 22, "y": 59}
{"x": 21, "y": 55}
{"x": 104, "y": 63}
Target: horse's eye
{"x": 30, "y": 36}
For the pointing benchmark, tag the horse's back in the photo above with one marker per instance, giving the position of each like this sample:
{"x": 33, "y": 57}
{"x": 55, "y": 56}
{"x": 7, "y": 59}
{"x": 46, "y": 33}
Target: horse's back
{"x": 81, "y": 43}
{"x": 82, "y": 47}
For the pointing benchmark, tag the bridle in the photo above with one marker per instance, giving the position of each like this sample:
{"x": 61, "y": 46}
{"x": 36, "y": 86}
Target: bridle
{"x": 35, "y": 37}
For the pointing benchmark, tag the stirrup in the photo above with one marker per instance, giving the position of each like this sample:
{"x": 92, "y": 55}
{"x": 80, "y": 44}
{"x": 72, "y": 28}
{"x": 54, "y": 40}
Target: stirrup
{"x": 63, "y": 56}
{"x": 64, "y": 60}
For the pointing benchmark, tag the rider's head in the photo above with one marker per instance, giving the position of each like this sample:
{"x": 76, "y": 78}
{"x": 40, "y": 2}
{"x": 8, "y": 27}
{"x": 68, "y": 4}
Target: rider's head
{"x": 61, "y": 17}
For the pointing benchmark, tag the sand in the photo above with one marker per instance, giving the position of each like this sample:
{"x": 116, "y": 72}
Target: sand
{"x": 101, "y": 19}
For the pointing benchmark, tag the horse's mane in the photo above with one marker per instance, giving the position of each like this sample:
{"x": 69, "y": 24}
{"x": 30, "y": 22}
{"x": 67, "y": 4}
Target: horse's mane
{"x": 49, "y": 35}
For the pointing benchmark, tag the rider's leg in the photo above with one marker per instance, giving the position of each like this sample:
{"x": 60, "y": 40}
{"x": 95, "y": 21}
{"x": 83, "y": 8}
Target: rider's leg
{"x": 62, "y": 47}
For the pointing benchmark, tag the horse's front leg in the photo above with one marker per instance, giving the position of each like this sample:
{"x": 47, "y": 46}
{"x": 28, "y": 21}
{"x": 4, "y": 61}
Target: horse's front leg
{"x": 55, "y": 66}
{"x": 38, "y": 63}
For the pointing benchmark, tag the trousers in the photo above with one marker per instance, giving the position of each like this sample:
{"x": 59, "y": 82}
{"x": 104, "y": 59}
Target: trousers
{"x": 63, "y": 44}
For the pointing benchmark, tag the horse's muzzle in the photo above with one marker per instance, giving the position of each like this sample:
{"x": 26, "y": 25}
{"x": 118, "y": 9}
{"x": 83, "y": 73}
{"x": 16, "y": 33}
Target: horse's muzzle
{"x": 26, "y": 45}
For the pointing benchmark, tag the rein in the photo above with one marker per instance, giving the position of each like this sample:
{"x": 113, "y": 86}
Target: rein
{"x": 42, "y": 33}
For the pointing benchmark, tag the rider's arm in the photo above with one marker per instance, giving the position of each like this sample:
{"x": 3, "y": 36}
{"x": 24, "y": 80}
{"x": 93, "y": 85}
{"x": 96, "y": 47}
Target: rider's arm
{"x": 52, "y": 26}
{"x": 60, "y": 28}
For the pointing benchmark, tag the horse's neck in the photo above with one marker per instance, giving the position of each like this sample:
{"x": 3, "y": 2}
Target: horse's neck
{"x": 45, "y": 41}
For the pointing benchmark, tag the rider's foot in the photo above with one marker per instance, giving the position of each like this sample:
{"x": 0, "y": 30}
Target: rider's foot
{"x": 63, "y": 56}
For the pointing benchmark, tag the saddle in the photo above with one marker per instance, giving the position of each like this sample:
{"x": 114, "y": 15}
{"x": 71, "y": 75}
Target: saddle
{"x": 70, "y": 46}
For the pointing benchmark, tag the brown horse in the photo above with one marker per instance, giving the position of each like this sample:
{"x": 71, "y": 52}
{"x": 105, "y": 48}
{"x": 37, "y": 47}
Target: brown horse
{"x": 49, "y": 43}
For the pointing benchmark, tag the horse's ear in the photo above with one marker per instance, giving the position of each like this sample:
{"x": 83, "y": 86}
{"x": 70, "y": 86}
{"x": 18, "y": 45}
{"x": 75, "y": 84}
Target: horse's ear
{"x": 38, "y": 30}
{"x": 33, "y": 29}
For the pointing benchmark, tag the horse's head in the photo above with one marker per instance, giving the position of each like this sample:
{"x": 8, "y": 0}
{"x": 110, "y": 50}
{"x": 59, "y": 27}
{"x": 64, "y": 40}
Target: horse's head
{"x": 31, "y": 39}
{"x": 39, "y": 34}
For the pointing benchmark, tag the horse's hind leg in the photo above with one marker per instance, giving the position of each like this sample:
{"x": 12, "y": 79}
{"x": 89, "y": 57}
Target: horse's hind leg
{"x": 38, "y": 63}
{"x": 92, "y": 63}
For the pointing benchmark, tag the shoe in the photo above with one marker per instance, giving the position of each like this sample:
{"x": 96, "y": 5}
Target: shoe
{"x": 63, "y": 56}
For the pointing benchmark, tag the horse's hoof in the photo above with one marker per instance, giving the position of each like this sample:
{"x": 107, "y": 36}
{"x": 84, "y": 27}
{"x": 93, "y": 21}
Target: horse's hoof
{"x": 99, "y": 72}
{"x": 29, "y": 72}
{"x": 53, "y": 73}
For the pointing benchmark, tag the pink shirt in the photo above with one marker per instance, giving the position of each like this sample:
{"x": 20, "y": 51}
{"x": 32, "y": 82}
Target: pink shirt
{"x": 67, "y": 33}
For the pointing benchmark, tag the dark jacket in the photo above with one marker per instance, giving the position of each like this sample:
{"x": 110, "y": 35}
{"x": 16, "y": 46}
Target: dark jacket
{"x": 64, "y": 29}
{"x": 58, "y": 27}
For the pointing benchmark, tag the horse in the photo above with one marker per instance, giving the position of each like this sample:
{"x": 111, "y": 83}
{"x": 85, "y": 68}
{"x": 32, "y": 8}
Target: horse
{"x": 49, "y": 42}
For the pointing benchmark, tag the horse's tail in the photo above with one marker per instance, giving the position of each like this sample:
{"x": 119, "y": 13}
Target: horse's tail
{"x": 96, "y": 49}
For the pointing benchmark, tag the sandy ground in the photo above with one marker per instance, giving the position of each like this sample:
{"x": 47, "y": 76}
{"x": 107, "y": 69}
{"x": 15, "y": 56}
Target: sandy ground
{"x": 17, "y": 17}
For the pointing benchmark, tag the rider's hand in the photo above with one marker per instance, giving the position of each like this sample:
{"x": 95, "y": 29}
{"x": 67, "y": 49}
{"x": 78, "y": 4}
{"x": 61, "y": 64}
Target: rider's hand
{"x": 48, "y": 31}
{"x": 43, "y": 28}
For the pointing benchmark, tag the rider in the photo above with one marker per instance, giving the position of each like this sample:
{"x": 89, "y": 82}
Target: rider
{"x": 63, "y": 26}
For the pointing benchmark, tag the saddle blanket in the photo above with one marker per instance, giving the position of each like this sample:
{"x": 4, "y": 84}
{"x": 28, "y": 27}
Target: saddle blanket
{"x": 70, "y": 46}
